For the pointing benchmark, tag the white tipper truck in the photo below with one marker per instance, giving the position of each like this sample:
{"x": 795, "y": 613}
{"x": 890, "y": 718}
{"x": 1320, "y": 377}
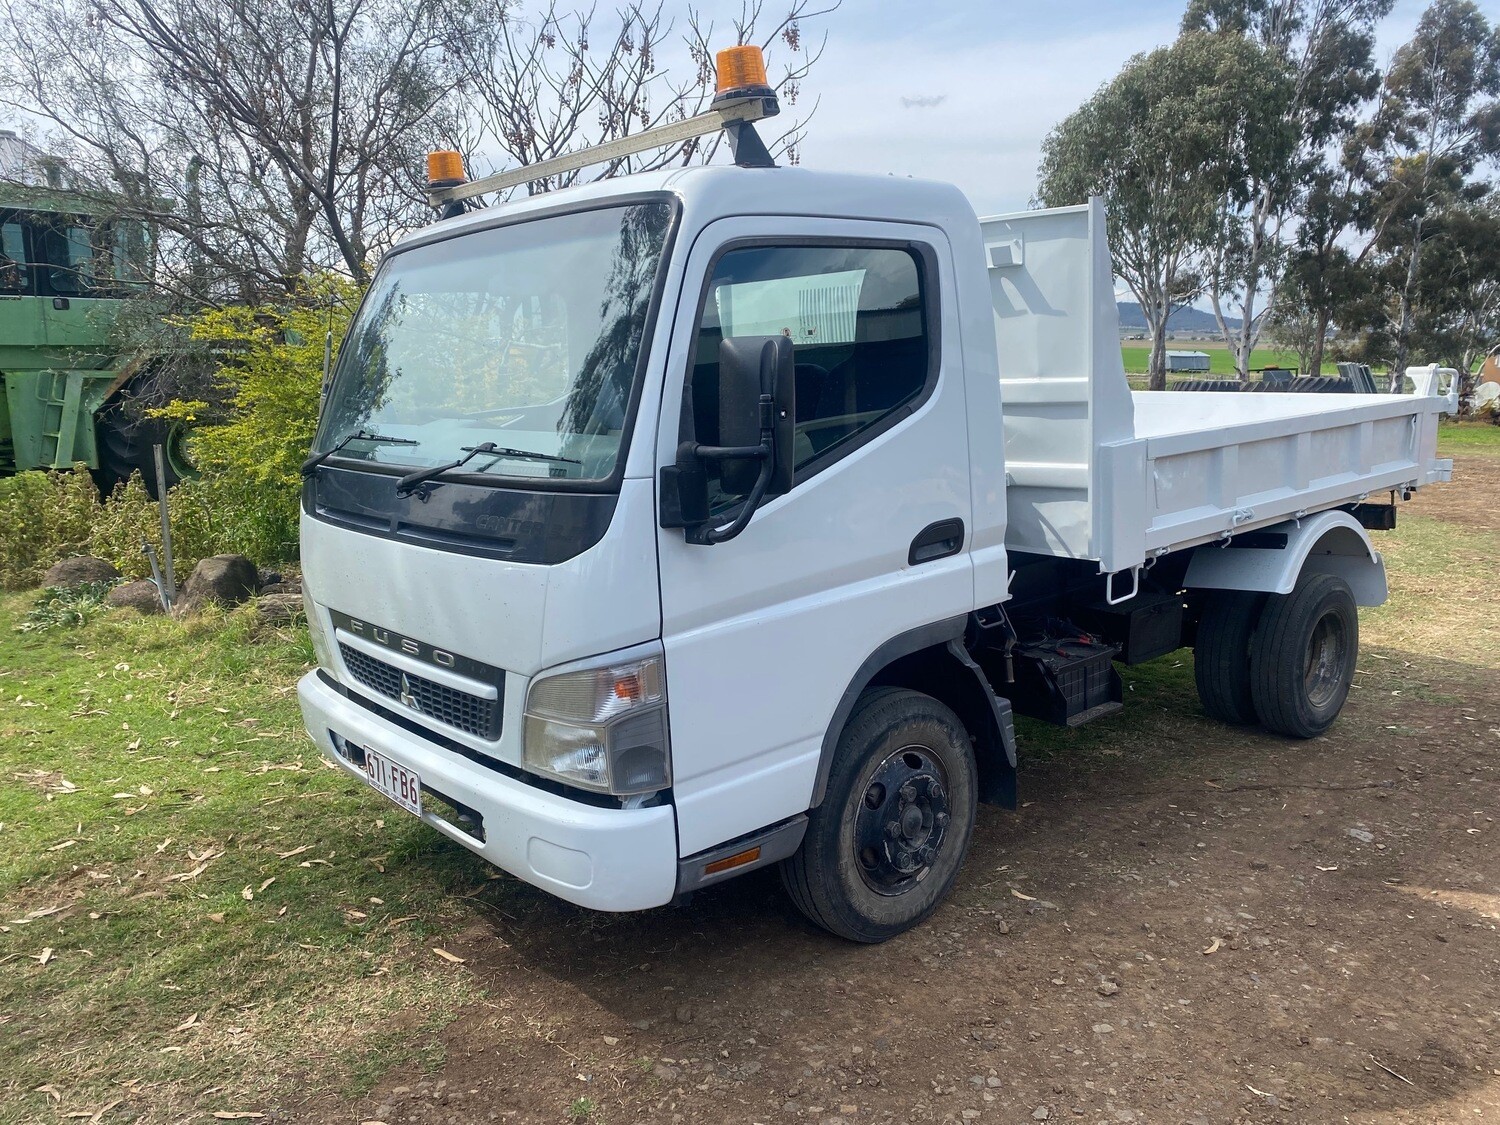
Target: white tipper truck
{"x": 679, "y": 524}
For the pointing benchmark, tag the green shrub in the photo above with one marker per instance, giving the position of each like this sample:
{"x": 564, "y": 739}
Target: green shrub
{"x": 130, "y": 518}
{"x": 59, "y": 608}
{"x": 271, "y": 371}
{"x": 43, "y": 517}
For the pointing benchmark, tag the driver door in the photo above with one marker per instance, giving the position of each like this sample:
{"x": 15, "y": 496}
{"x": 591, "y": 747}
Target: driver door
{"x": 764, "y": 633}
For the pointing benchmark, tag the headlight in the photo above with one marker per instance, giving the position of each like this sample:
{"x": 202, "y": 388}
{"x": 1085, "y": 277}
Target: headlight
{"x": 321, "y": 648}
{"x": 602, "y": 728}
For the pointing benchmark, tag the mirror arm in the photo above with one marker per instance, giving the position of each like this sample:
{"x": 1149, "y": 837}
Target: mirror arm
{"x": 705, "y": 535}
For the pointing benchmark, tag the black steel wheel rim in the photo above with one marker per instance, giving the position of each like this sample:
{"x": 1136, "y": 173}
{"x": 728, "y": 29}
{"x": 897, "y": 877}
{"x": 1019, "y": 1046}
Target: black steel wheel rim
{"x": 1327, "y": 651}
{"x": 901, "y": 820}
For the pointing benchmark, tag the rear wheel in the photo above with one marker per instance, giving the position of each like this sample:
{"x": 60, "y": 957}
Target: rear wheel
{"x": 886, "y": 844}
{"x": 1303, "y": 656}
{"x": 1221, "y": 655}
{"x": 127, "y": 433}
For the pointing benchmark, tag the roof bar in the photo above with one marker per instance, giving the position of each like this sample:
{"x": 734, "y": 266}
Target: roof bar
{"x": 733, "y": 110}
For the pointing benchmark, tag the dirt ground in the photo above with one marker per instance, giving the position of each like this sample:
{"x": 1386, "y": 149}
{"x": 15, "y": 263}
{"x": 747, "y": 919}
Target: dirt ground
{"x": 1183, "y": 924}
{"x": 1474, "y": 476}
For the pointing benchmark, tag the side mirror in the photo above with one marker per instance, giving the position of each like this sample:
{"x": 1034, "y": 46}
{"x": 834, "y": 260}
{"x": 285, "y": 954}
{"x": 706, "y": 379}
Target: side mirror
{"x": 752, "y": 370}
{"x": 757, "y": 418}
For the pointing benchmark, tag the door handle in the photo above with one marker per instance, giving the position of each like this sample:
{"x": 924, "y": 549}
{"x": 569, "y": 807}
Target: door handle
{"x": 936, "y": 541}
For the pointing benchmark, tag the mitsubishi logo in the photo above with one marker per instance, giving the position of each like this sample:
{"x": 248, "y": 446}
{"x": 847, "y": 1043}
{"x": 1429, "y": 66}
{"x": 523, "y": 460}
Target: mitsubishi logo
{"x": 407, "y": 698}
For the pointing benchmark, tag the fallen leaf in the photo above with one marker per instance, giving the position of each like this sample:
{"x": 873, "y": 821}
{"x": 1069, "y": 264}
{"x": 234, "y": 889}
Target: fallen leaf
{"x": 43, "y": 957}
{"x": 263, "y": 886}
{"x": 247, "y": 894}
{"x": 50, "y": 1090}
{"x": 1325, "y": 868}
{"x": 1213, "y": 947}
{"x": 294, "y": 851}
{"x": 191, "y": 1021}
{"x": 232, "y": 1114}
{"x": 61, "y": 846}
{"x": 443, "y": 953}
{"x": 217, "y": 916}
{"x": 184, "y": 876}
{"x": 1023, "y": 898}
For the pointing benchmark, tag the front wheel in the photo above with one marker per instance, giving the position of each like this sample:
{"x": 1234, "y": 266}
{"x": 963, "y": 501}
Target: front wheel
{"x": 1303, "y": 655}
{"x": 127, "y": 433}
{"x": 885, "y": 846}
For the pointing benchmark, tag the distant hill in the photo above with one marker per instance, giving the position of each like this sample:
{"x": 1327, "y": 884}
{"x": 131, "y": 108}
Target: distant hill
{"x": 1183, "y": 320}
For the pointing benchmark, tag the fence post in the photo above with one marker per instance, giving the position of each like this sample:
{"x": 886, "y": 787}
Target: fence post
{"x": 169, "y": 575}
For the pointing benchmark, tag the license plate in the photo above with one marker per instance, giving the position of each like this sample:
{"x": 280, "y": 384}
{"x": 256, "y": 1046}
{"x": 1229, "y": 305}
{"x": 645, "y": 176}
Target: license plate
{"x": 394, "y": 780}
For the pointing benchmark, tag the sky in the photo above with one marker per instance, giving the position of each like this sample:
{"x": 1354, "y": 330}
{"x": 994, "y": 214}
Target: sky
{"x": 965, "y": 90}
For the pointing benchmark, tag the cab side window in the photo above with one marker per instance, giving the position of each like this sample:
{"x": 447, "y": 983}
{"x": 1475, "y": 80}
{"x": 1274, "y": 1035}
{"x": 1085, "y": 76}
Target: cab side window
{"x": 858, "y": 323}
{"x": 70, "y": 258}
{"x": 14, "y": 276}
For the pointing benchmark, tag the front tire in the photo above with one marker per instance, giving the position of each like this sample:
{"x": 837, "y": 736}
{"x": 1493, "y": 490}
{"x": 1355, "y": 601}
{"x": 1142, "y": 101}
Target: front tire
{"x": 126, "y": 433}
{"x": 1303, "y": 655}
{"x": 885, "y": 846}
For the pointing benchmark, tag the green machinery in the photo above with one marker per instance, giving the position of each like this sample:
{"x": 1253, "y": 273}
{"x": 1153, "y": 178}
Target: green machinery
{"x": 69, "y": 395}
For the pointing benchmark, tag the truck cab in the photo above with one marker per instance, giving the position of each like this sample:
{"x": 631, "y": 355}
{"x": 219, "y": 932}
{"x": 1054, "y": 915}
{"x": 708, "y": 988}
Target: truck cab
{"x": 663, "y": 528}
{"x": 69, "y": 394}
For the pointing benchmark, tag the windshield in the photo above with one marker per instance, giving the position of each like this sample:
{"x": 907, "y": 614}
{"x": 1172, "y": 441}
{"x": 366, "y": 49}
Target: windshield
{"x": 523, "y": 336}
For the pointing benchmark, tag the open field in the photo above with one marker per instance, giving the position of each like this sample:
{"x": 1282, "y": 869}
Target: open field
{"x": 1184, "y": 923}
{"x": 1137, "y": 357}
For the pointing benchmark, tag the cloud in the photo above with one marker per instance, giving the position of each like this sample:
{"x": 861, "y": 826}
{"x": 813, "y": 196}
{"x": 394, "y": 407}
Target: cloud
{"x": 929, "y": 101}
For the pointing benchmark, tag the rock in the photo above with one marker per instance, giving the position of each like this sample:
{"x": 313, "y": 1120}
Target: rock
{"x": 223, "y": 579}
{"x": 1107, "y": 987}
{"x": 685, "y": 1014}
{"x": 291, "y": 586}
{"x": 280, "y": 609}
{"x": 79, "y": 571}
{"x": 1364, "y": 836}
{"x": 140, "y": 595}
{"x": 1041, "y": 1113}
{"x": 264, "y": 578}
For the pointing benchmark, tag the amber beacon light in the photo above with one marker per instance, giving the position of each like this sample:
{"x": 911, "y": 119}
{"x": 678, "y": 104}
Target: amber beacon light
{"x": 445, "y": 168}
{"x": 742, "y": 73}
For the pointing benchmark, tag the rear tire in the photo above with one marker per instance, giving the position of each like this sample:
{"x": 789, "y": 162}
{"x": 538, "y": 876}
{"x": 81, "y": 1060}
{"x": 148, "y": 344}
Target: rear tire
{"x": 1221, "y": 655}
{"x": 885, "y": 846}
{"x": 1303, "y": 656}
{"x": 126, "y": 434}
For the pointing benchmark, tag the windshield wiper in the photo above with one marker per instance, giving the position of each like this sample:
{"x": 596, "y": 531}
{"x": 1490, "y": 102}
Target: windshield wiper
{"x": 358, "y": 435}
{"x": 410, "y": 481}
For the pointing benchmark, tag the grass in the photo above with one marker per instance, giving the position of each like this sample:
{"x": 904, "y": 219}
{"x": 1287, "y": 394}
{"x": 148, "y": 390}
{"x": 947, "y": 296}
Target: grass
{"x": 196, "y": 914}
{"x": 1220, "y": 361}
{"x": 1469, "y": 438}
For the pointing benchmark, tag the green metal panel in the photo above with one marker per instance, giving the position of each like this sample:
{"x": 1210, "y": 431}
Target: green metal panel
{"x": 35, "y": 334}
{"x": 52, "y": 417}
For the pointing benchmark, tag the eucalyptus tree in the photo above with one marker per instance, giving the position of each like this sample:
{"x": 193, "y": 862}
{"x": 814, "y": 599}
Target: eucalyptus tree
{"x": 1327, "y": 50}
{"x": 1437, "y": 128}
{"x": 1173, "y": 136}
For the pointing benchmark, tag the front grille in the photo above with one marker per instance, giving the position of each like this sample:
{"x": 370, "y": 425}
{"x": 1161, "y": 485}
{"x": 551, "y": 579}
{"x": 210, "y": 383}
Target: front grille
{"x": 458, "y": 709}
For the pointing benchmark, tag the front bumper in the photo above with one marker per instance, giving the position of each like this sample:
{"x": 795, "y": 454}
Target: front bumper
{"x": 604, "y": 859}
